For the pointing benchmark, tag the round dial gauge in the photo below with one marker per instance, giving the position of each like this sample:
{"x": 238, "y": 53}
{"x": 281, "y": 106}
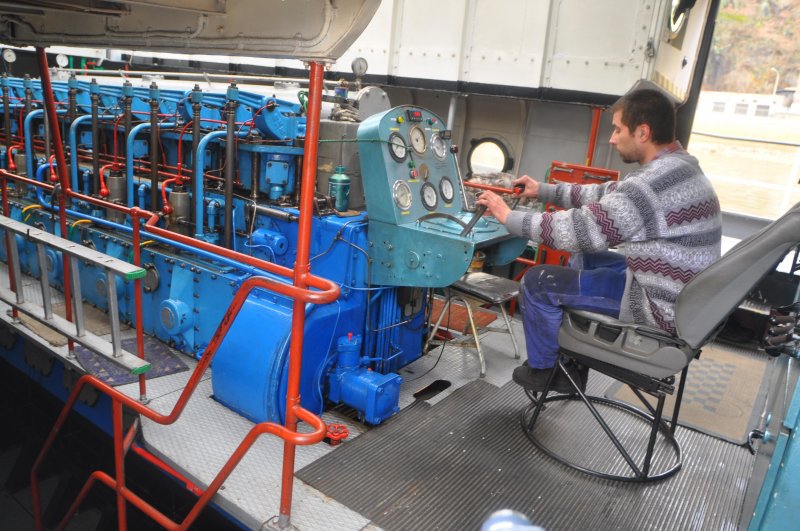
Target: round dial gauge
{"x": 401, "y": 192}
{"x": 9, "y": 56}
{"x": 397, "y": 147}
{"x": 417, "y": 138}
{"x": 447, "y": 190}
{"x": 438, "y": 146}
{"x": 429, "y": 197}
{"x": 359, "y": 66}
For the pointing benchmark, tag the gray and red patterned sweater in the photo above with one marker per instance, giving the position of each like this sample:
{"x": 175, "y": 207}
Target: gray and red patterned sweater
{"x": 664, "y": 217}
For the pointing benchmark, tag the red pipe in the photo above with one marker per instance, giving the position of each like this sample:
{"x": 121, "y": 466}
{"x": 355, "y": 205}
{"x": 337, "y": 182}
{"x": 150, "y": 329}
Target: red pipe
{"x": 328, "y": 291}
{"x": 495, "y": 189}
{"x": 251, "y": 437}
{"x": 52, "y": 116}
{"x": 119, "y": 466}
{"x": 596, "y": 112}
{"x": 137, "y": 303}
{"x": 219, "y": 335}
{"x": 302, "y": 280}
{"x": 103, "y": 188}
{"x": 10, "y": 156}
{"x": 302, "y": 270}
{"x": 10, "y": 240}
{"x": 158, "y": 463}
{"x": 166, "y": 208}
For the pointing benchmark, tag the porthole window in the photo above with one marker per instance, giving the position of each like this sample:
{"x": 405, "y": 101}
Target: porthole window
{"x": 489, "y": 155}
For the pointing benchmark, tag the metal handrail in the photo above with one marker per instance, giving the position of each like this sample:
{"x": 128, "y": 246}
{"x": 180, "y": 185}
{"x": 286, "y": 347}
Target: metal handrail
{"x": 119, "y": 399}
{"x": 301, "y": 291}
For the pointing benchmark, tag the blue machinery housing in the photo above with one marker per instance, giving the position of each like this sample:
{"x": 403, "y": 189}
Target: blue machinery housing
{"x": 223, "y": 168}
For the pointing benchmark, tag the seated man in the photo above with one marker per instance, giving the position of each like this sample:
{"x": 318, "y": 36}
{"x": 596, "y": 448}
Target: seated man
{"x": 664, "y": 217}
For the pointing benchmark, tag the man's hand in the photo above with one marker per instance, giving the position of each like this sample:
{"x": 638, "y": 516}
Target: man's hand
{"x": 531, "y": 186}
{"x": 495, "y": 205}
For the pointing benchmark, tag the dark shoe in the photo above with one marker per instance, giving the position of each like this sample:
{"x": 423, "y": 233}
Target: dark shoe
{"x": 583, "y": 374}
{"x": 536, "y": 379}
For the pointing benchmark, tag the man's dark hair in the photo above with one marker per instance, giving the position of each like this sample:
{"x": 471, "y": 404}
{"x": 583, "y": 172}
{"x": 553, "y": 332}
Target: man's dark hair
{"x": 651, "y": 107}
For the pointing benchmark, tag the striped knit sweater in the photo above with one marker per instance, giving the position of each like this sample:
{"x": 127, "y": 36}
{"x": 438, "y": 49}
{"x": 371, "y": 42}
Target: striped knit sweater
{"x": 664, "y": 217}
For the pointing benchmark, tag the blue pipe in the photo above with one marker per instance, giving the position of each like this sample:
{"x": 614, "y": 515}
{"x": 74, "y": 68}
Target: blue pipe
{"x": 26, "y": 128}
{"x": 199, "y": 163}
{"x": 29, "y": 140}
{"x": 129, "y": 157}
{"x": 143, "y": 188}
{"x": 73, "y": 144}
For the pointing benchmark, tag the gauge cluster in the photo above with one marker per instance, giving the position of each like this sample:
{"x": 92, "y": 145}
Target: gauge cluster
{"x": 413, "y": 156}
{"x": 414, "y": 203}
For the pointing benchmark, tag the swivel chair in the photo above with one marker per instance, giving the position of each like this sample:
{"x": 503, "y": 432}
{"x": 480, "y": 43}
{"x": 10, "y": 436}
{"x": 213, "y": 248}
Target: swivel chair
{"x": 646, "y": 359}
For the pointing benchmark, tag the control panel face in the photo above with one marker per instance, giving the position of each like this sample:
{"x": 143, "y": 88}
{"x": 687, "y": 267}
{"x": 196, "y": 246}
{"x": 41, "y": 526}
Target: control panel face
{"x": 405, "y": 152}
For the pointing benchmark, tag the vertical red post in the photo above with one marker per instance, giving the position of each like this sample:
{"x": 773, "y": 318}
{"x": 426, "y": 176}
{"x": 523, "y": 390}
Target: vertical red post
{"x": 137, "y": 298}
{"x": 302, "y": 269}
{"x": 596, "y": 112}
{"x": 10, "y": 240}
{"x": 119, "y": 465}
{"x": 61, "y": 164}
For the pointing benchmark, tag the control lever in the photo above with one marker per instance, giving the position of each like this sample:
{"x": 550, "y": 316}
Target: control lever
{"x": 518, "y": 189}
{"x": 480, "y": 210}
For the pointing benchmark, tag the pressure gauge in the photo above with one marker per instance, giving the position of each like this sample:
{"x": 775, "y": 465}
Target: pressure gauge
{"x": 397, "y": 147}
{"x": 401, "y": 192}
{"x": 417, "y": 138}
{"x": 429, "y": 197}
{"x": 9, "y": 56}
{"x": 438, "y": 146}
{"x": 62, "y": 60}
{"x": 359, "y": 66}
{"x": 447, "y": 190}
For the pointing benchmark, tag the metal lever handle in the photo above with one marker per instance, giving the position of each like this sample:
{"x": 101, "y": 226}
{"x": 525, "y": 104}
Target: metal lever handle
{"x": 518, "y": 189}
{"x": 480, "y": 210}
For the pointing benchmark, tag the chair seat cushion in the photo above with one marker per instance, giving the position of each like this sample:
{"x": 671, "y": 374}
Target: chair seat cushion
{"x": 489, "y": 288}
{"x": 648, "y": 351}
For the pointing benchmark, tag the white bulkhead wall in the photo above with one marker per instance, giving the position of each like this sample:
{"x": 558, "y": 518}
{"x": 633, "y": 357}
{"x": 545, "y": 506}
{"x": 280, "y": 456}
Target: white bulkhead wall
{"x": 579, "y": 45}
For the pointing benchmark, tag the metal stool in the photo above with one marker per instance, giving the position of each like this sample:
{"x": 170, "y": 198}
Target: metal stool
{"x": 475, "y": 290}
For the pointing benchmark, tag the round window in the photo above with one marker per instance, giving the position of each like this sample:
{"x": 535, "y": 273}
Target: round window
{"x": 489, "y": 155}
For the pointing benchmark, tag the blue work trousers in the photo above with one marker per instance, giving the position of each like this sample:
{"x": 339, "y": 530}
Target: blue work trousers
{"x": 592, "y": 282}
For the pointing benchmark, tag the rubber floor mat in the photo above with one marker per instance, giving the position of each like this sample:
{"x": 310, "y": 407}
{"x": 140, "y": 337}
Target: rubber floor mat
{"x": 450, "y": 465}
{"x": 163, "y": 361}
{"x": 724, "y": 393}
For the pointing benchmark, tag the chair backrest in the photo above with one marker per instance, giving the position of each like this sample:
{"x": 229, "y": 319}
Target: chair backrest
{"x": 717, "y": 291}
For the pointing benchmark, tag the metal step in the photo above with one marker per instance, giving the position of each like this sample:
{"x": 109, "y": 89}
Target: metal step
{"x": 75, "y": 329}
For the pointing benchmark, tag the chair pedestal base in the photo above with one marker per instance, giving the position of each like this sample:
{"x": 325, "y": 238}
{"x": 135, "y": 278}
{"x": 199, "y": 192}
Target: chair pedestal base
{"x": 635, "y": 472}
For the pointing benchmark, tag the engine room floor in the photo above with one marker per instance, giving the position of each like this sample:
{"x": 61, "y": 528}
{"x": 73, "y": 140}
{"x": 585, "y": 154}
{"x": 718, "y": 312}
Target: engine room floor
{"x": 207, "y": 433}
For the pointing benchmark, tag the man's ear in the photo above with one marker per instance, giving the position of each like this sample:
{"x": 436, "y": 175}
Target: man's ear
{"x": 643, "y": 133}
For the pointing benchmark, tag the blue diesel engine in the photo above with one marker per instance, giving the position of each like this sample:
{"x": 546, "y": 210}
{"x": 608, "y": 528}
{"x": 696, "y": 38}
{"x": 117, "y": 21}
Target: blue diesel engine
{"x": 223, "y": 168}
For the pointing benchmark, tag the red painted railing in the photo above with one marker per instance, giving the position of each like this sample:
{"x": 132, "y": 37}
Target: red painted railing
{"x": 305, "y": 288}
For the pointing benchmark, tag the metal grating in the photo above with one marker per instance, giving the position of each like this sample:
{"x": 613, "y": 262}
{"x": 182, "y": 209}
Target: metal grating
{"x": 450, "y": 465}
